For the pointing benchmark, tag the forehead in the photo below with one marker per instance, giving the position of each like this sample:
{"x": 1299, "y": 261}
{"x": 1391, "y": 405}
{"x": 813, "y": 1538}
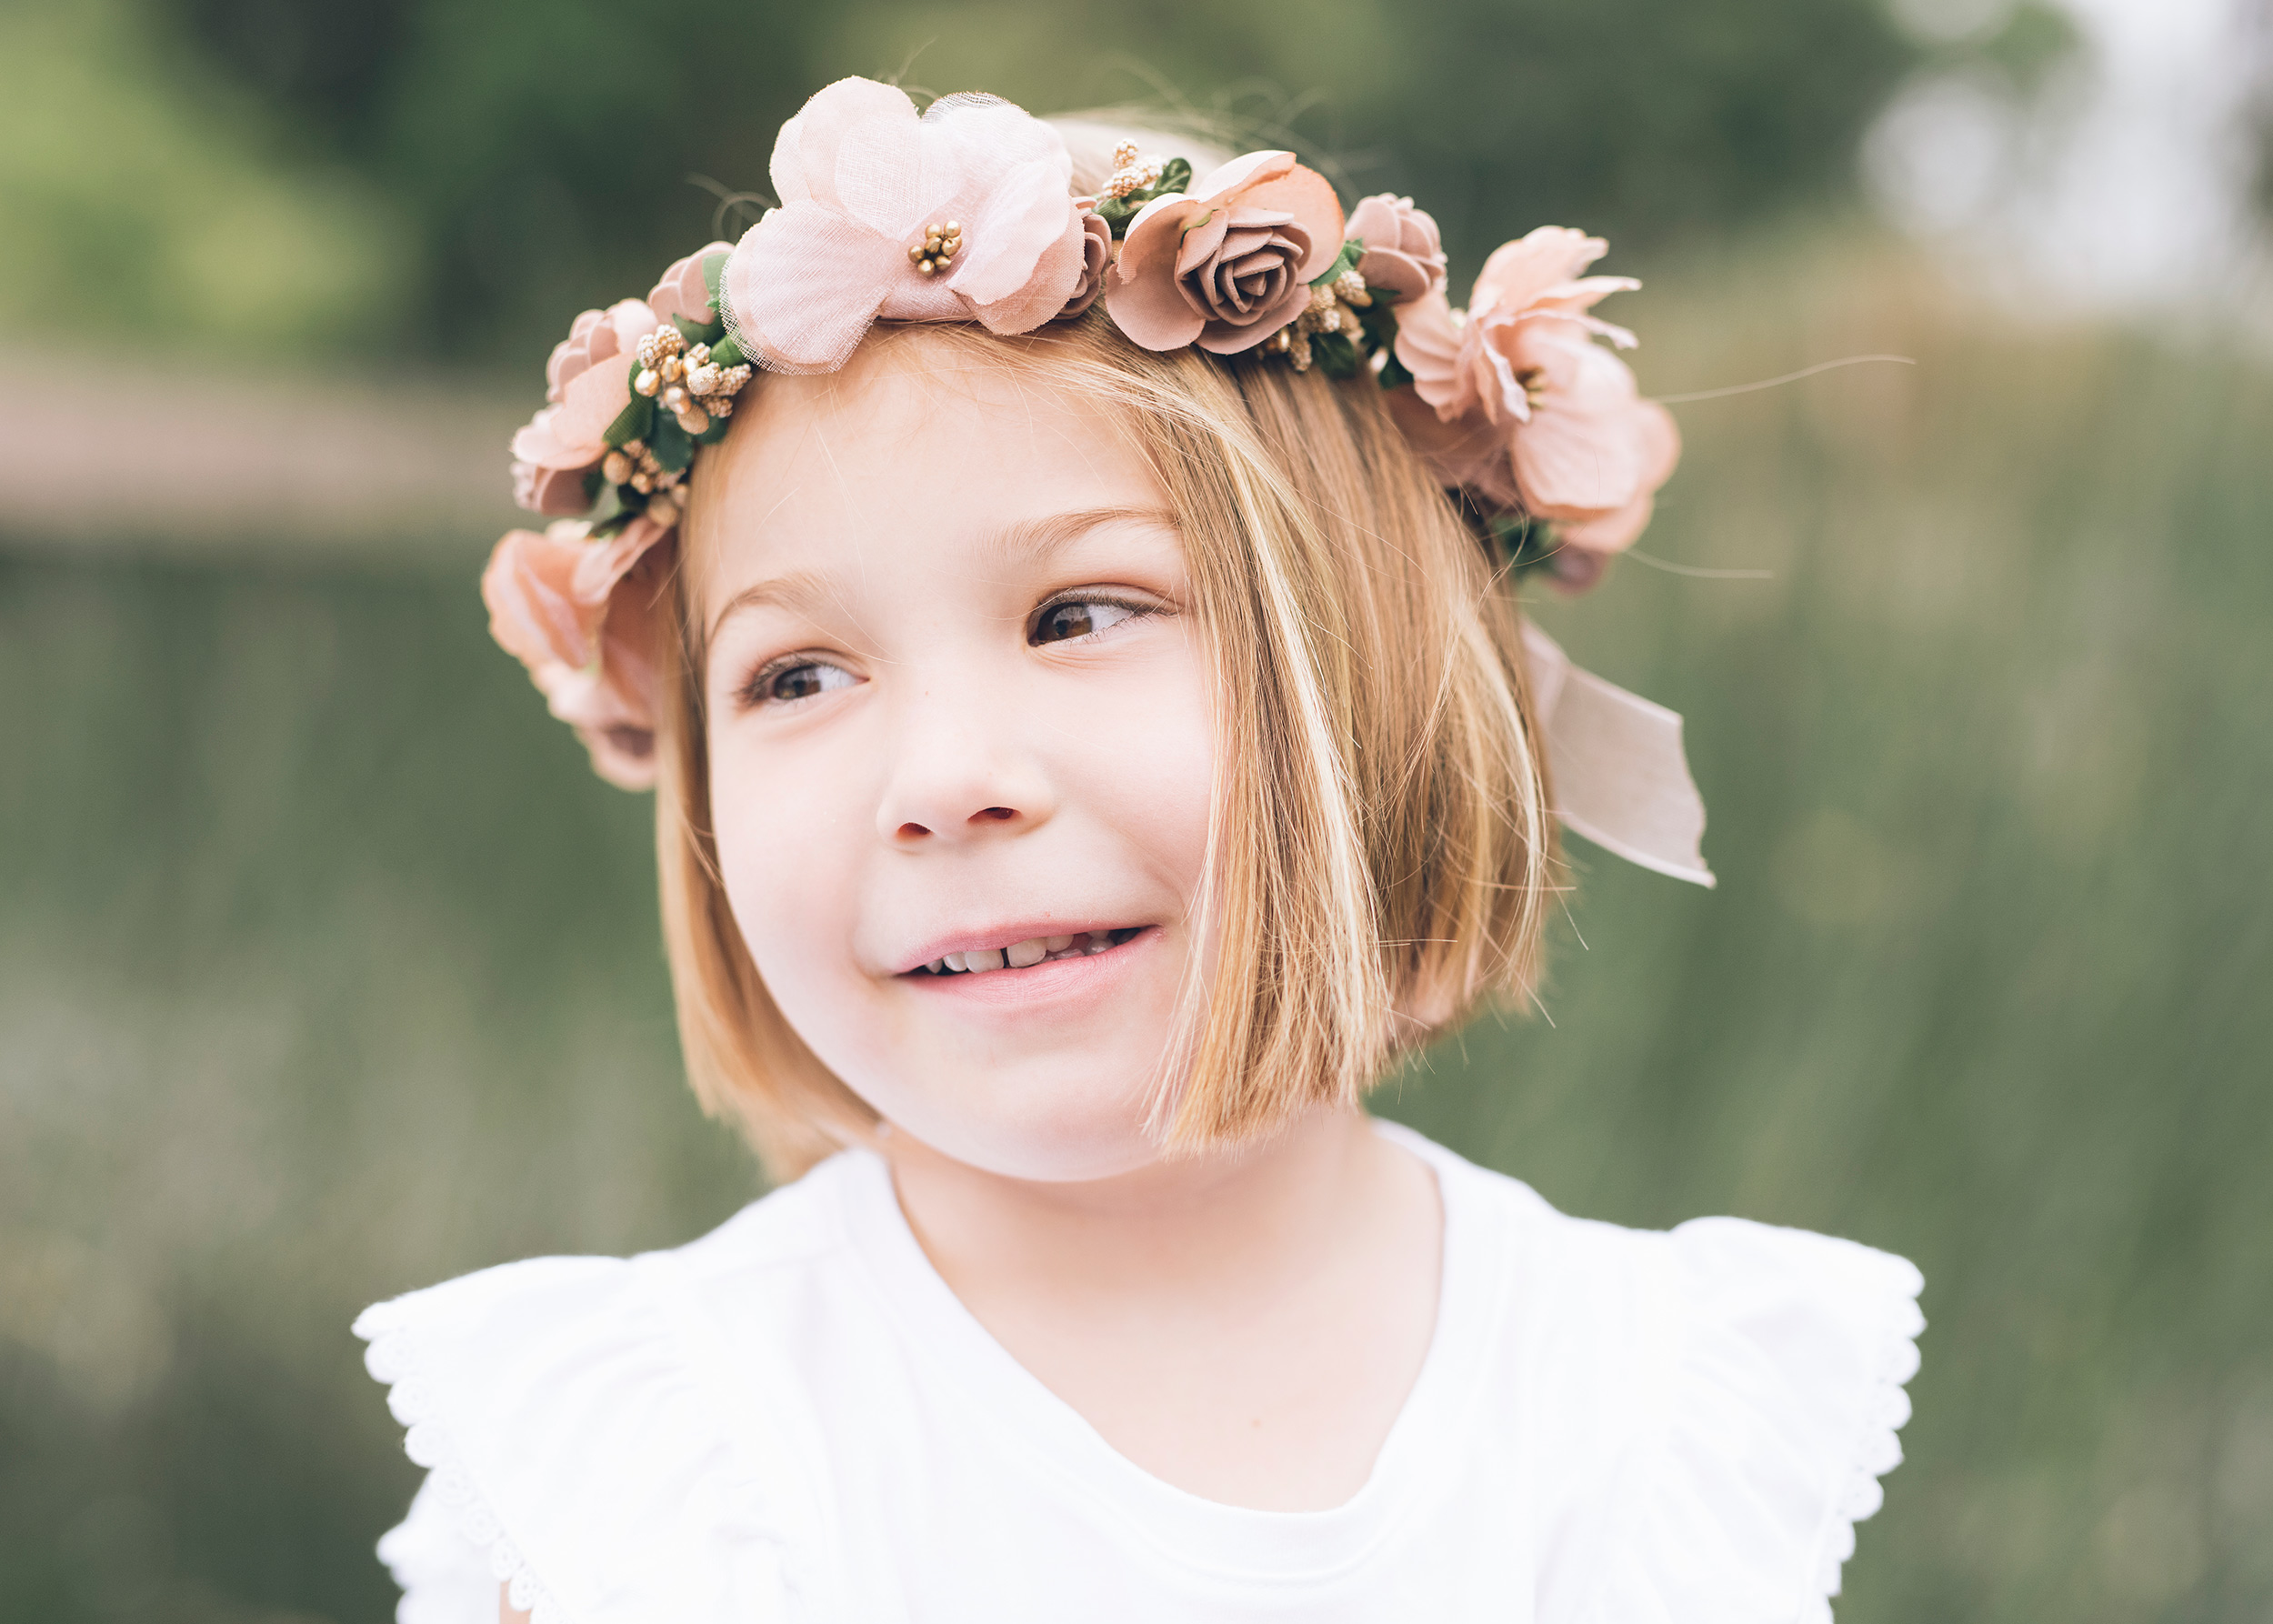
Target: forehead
{"x": 924, "y": 440}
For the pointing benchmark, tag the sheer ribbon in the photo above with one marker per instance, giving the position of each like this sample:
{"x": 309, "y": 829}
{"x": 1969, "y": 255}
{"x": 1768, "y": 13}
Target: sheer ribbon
{"x": 1621, "y": 776}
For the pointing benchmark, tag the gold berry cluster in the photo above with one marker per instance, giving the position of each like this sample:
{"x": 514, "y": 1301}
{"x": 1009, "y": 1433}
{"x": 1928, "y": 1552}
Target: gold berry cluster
{"x": 633, "y": 464}
{"x": 1132, "y": 172}
{"x": 930, "y": 256}
{"x": 1334, "y": 307}
{"x": 685, "y": 381}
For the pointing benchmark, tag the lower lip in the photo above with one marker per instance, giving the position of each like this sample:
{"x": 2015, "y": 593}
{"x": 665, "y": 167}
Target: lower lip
{"x": 1053, "y": 981}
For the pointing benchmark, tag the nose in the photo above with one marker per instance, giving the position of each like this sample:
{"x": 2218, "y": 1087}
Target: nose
{"x": 959, "y": 772}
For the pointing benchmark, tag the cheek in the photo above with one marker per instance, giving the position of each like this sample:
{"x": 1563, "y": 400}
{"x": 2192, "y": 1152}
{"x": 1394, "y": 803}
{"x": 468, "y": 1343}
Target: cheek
{"x": 789, "y": 847}
{"x": 1144, "y": 762}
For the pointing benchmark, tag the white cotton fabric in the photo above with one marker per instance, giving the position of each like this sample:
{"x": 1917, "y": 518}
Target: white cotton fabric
{"x": 794, "y": 1420}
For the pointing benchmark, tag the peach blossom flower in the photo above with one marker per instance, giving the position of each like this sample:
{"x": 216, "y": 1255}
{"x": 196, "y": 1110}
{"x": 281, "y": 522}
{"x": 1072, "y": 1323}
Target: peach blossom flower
{"x": 1405, "y": 256}
{"x": 1530, "y": 409}
{"x": 579, "y": 612}
{"x": 861, "y": 176}
{"x": 1594, "y": 452}
{"x": 587, "y": 383}
{"x": 1231, "y": 262}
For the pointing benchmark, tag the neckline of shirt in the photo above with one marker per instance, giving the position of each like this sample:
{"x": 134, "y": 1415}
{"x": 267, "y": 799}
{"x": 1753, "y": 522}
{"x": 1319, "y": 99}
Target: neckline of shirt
{"x": 1235, "y": 1543}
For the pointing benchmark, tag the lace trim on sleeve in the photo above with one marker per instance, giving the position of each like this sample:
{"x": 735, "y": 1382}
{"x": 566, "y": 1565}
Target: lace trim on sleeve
{"x": 1877, "y": 1451}
{"x": 1775, "y": 1413}
{"x": 393, "y": 1359}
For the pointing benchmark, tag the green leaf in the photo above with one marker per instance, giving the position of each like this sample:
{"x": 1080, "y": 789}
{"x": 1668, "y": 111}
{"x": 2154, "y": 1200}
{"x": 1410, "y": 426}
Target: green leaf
{"x": 669, "y": 443}
{"x": 727, "y": 353}
{"x": 715, "y": 433}
{"x": 612, "y": 523}
{"x": 632, "y": 423}
{"x": 1335, "y": 355}
{"x": 1346, "y": 260}
{"x": 699, "y": 332}
{"x": 1379, "y": 321}
{"x": 592, "y": 483}
{"x": 714, "y": 267}
{"x": 1176, "y": 175}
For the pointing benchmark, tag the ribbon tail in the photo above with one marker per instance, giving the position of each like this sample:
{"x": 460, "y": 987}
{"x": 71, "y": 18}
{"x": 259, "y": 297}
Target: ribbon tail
{"x": 1621, "y": 776}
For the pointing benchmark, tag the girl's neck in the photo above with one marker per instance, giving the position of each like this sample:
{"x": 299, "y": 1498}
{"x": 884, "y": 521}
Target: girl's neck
{"x": 1243, "y": 1327}
{"x": 1184, "y": 1224}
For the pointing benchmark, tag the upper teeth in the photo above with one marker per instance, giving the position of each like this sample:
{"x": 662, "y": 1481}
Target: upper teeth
{"x": 1017, "y": 956}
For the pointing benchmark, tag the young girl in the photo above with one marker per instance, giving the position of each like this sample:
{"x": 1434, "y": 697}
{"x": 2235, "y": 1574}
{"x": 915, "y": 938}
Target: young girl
{"x": 1063, "y": 610}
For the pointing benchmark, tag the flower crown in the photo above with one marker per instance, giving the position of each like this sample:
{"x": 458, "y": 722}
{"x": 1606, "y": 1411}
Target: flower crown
{"x": 966, "y": 213}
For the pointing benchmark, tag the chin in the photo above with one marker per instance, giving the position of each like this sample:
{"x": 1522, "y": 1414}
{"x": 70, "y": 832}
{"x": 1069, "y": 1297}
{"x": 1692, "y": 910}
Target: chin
{"x": 1061, "y": 1142}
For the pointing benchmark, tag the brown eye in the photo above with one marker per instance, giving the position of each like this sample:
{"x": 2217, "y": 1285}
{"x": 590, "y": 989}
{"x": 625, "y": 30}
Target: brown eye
{"x": 799, "y": 682}
{"x": 787, "y": 684}
{"x": 1079, "y": 617}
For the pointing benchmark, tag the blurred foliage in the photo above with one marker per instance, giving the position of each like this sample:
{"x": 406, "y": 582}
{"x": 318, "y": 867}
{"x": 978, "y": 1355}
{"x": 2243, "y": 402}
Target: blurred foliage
{"x": 327, "y": 969}
{"x": 2031, "y": 42}
{"x": 536, "y": 152}
{"x": 166, "y": 209}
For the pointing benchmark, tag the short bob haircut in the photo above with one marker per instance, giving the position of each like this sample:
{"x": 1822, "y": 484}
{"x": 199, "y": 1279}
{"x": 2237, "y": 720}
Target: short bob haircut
{"x": 1380, "y": 850}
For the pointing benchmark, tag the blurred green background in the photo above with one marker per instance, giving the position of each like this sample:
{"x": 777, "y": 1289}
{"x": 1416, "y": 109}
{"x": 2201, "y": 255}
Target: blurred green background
{"x": 327, "y": 969}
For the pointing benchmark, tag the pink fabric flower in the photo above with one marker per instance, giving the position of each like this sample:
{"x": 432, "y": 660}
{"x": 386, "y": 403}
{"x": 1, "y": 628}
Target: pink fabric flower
{"x": 1229, "y": 264}
{"x": 557, "y": 493}
{"x": 1405, "y": 256}
{"x": 682, "y": 292}
{"x": 1519, "y": 375}
{"x": 860, "y": 175}
{"x": 588, "y": 383}
{"x": 1468, "y": 452}
{"x": 1594, "y": 452}
{"x": 582, "y": 616}
{"x": 1097, "y": 258}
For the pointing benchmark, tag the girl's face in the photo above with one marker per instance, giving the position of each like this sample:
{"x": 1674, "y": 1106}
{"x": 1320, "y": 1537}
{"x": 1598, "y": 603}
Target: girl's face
{"x": 958, "y": 715}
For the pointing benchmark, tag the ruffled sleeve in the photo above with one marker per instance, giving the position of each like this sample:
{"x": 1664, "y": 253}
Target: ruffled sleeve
{"x": 1772, "y": 1400}
{"x": 578, "y": 1451}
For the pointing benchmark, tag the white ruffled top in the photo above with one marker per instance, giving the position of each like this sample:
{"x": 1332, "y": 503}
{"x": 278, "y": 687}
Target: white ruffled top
{"x": 794, "y": 1420}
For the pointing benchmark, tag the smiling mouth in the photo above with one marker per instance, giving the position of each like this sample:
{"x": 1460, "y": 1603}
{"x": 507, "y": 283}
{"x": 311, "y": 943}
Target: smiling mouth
{"x": 1024, "y": 954}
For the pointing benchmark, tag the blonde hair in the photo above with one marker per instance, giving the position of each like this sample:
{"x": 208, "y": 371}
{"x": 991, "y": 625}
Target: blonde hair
{"x": 1380, "y": 849}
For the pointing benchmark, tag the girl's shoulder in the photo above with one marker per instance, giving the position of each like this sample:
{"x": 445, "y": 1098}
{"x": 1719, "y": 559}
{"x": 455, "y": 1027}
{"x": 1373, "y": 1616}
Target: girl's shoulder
{"x": 1711, "y": 1406}
{"x": 1701, "y": 1415}
{"x": 589, "y": 1428}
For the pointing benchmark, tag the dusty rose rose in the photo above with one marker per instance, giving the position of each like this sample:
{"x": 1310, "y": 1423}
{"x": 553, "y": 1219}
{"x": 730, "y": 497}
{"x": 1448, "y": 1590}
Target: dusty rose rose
{"x": 1097, "y": 258}
{"x": 588, "y": 383}
{"x": 1229, "y": 264}
{"x": 682, "y": 292}
{"x": 557, "y": 493}
{"x": 1582, "y": 448}
{"x": 580, "y": 615}
{"x": 1405, "y": 256}
{"x": 860, "y": 176}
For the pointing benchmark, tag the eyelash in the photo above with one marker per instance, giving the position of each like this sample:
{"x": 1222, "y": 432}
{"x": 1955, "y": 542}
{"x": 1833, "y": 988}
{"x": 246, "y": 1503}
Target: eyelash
{"x": 1136, "y": 607}
{"x": 756, "y": 692}
{"x": 753, "y": 693}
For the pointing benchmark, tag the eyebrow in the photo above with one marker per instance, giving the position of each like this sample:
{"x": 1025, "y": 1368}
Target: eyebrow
{"x": 796, "y": 590}
{"x": 1036, "y": 541}
{"x": 1029, "y": 542}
